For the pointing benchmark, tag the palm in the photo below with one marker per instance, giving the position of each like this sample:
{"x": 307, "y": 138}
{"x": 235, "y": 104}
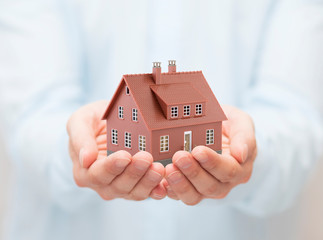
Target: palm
{"x": 99, "y": 127}
{"x": 101, "y": 140}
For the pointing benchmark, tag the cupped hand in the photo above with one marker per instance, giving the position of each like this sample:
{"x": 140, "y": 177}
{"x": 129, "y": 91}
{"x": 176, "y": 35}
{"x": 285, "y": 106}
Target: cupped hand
{"x": 118, "y": 175}
{"x": 203, "y": 173}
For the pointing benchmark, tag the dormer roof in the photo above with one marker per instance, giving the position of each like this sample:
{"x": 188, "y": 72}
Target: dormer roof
{"x": 178, "y": 93}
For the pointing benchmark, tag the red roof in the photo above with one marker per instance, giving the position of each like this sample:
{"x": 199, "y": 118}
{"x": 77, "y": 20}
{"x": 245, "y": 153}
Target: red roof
{"x": 177, "y": 88}
{"x": 178, "y": 93}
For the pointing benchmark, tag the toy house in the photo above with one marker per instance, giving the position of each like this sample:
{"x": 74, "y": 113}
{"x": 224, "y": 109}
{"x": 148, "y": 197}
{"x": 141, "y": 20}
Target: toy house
{"x": 162, "y": 113}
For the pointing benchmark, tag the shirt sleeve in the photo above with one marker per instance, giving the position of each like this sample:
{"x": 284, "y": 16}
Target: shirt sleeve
{"x": 284, "y": 101}
{"x": 40, "y": 86}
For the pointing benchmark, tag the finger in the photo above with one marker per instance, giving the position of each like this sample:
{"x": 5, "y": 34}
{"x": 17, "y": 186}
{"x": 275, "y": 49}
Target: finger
{"x": 148, "y": 182}
{"x": 222, "y": 166}
{"x": 204, "y": 183}
{"x": 159, "y": 192}
{"x": 170, "y": 193}
{"x": 80, "y": 174}
{"x": 106, "y": 169}
{"x": 85, "y": 155}
{"x": 82, "y": 140}
{"x": 83, "y": 127}
{"x": 123, "y": 184}
{"x": 243, "y": 148}
{"x": 239, "y": 147}
{"x": 183, "y": 189}
{"x": 101, "y": 142}
{"x": 240, "y": 130}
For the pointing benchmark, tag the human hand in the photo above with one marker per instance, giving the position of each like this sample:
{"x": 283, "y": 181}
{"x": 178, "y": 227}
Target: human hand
{"x": 205, "y": 174}
{"x": 118, "y": 175}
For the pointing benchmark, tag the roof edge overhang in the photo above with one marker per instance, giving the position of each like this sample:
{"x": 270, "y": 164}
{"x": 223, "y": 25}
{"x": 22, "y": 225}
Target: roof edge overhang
{"x": 113, "y": 99}
{"x": 124, "y": 78}
{"x": 188, "y": 125}
{"x": 115, "y": 96}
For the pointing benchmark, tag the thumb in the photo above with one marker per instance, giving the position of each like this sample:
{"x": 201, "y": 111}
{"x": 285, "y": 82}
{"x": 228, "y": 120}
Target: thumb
{"x": 88, "y": 153}
{"x": 82, "y": 140}
{"x": 239, "y": 147}
{"x": 240, "y": 130}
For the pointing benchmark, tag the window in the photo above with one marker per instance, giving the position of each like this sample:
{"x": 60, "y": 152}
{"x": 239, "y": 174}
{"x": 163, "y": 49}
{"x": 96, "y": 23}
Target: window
{"x": 114, "y": 136}
{"x": 135, "y": 114}
{"x": 187, "y": 110}
{"x": 142, "y": 143}
{"x": 127, "y": 140}
{"x": 209, "y": 136}
{"x": 164, "y": 143}
{"x": 174, "y": 112}
{"x": 127, "y": 91}
{"x": 198, "y": 109}
{"x": 120, "y": 112}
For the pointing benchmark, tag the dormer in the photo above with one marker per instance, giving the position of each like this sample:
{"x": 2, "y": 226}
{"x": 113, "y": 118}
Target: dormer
{"x": 179, "y": 100}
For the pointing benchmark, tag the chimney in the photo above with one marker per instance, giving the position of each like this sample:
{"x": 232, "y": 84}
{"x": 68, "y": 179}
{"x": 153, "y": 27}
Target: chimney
{"x": 171, "y": 66}
{"x": 157, "y": 72}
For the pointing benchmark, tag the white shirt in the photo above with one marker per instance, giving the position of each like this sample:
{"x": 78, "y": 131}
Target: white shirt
{"x": 262, "y": 56}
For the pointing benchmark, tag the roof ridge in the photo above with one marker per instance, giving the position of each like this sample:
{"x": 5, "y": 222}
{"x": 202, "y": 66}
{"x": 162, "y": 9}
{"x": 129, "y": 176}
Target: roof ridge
{"x": 186, "y": 72}
{"x": 163, "y": 73}
{"x": 136, "y": 74}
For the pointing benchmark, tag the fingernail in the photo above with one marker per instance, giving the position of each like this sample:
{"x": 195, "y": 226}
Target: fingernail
{"x": 154, "y": 176}
{"x": 81, "y": 154}
{"x": 175, "y": 177}
{"x": 183, "y": 163}
{"x": 244, "y": 154}
{"x": 122, "y": 162}
{"x": 155, "y": 195}
{"x": 141, "y": 164}
{"x": 201, "y": 157}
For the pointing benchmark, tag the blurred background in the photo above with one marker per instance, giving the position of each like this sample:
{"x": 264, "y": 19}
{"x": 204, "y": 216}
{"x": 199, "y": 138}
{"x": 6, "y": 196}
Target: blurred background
{"x": 5, "y": 184}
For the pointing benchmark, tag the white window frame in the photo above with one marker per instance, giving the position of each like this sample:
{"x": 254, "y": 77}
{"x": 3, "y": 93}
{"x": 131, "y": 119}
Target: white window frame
{"x": 134, "y": 114}
{"x": 114, "y": 136}
{"x": 209, "y": 136}
{"x": 121, "y": 112}
{"x": 127, "y": 91}
{"x": 174, "y": 112}
{"x": 142, "y": 143}
{"x": 187, "y": 110}
{"x": 164, "y": 143}
{"x": 198, "y": 109}
{"x": 127, "y": 139}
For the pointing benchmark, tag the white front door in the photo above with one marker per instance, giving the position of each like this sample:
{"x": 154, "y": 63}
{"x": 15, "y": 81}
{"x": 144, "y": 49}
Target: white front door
{"x": 188, "y": 141}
